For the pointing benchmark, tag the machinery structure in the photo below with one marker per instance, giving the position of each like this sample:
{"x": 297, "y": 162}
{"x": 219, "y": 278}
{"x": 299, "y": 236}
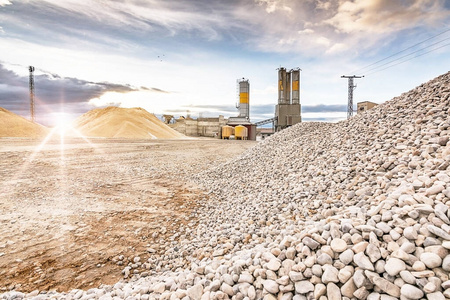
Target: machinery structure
{"x": 288, "y": 109}
{"x": 31, "y": 69}
{"x": 243, "y": 119}
{"x": 351, "y": 87}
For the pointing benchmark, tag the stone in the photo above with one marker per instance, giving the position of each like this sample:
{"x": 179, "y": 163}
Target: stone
{"x": 363, "y": 261}
{"x": 410, "y": 233}
{"x": 411, "y": 292}
{"x": 274, "y": 264}
{"x": 435, "y": 296}
{"x": 435, "y": 189}
{"x": 271, "y": 286}
{"x": 394, "y": 266}
{"x": 312, "y": 244}
{"x": 446, "y": 263}
{"x": 373, "y": 252}
{"x": 195, "y": 292}
{"x": 386, "y": 286}
{"x": 330, "y": 274}
{"x": 348, "y": 289}
{"x": 296, "y": 276}
{"x": 333, "y": 291}
{"x": 407, "y": 277}
{"x": 303, "y": 287}
{"x": 324, "y": 259}
{"x": 338, "y": 245}
{"x": 438, "y": 232}
{"x": 346, "y": 257}
{"x": 361, "y": 293}
{"x": 319, "y": 290}
{"x": 227, "y": 289}
{"x": 431, "y": 260}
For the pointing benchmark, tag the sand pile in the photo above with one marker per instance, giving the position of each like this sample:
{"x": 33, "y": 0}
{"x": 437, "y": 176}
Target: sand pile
{"x": 117, "y": 122}
{"x": 12, "y": 125}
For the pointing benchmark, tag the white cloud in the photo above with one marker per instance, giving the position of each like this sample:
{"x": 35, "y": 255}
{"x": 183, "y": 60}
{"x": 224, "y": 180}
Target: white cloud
{"x": 4, "y": 2}
{"x": 384, "y": 16}
{"x": 306, "y": 31}
{"x": 274, "y": 5}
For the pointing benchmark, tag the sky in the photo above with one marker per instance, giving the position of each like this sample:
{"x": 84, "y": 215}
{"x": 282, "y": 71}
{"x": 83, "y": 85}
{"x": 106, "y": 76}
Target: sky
{"x": 184, "y": 57}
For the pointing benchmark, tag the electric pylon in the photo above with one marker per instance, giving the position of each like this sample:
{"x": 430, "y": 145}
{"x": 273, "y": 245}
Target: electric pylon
{"x": 31, "y": 69}
{"x": 351, "y": 87}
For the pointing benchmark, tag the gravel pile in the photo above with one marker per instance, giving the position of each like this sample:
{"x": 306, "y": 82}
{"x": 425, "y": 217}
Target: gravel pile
{"x": 353, "y": 210}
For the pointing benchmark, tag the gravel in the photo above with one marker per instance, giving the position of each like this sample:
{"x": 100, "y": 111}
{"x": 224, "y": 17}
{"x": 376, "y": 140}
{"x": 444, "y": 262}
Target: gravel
{"x": 357, "y": 209}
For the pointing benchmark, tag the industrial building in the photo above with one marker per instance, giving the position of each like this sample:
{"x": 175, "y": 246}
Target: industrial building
{"x": 207, "y": 127}
{"x": 288, "y": 110}
{"x": 365, "y": 105}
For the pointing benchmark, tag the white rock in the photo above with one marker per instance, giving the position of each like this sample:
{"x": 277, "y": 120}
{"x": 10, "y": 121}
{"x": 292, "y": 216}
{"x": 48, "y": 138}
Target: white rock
{"x": 411, "y": 292}
{"x": 394, "y": 266}
{"x": 431, "y": 260}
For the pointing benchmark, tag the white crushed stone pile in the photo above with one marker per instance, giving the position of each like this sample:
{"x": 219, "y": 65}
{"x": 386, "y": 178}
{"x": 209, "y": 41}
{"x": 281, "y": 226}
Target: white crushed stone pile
{"x": 353, "y": 210}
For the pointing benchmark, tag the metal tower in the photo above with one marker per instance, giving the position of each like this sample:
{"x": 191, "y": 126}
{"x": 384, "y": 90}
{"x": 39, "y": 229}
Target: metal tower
{"x": 31, "y": 69}
{"x": 351, "y": 87}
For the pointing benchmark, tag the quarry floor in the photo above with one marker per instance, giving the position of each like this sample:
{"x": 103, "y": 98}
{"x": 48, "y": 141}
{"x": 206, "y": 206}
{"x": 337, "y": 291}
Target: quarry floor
{"x": 71, "y": 207}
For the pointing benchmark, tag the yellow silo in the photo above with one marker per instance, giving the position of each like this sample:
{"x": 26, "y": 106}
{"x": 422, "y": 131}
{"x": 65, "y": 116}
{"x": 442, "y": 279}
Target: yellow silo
{"x": 227, "y": 131}
{"x": 241, "y": 132}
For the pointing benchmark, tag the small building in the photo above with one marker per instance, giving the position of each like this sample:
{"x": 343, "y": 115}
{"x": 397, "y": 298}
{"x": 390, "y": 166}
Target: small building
{"x": 251, "y": 128}
{"x": 263, "y": 133}
{"x": 363, "y": 106}
{"x": 207, "y": 127}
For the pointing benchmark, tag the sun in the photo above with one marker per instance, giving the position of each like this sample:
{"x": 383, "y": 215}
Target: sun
{"x": 62, "y": 125}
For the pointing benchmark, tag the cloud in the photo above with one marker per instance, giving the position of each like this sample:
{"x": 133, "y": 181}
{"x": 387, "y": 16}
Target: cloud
{"x": 383, "y": 16}
{"x": 51, "y": 91}
{"x": 4, "y": 2}
{"x": 310, "y": 27}
{"x": 274, "y": 6}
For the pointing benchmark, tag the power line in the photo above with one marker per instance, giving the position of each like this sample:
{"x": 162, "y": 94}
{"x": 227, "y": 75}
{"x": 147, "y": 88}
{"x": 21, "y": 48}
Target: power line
{"x": 399, "y": 58}
{"x": 408, "y": 59}
{"x": 401, "y": 51}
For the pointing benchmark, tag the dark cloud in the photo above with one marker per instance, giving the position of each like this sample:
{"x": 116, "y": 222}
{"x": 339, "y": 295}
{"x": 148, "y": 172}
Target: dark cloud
{"x": 50, "y": 90}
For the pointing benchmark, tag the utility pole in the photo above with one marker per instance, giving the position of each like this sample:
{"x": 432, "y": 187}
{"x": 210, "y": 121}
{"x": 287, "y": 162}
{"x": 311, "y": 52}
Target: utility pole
{"x": 351, "y": 87}
{"x": 31, "y": 69}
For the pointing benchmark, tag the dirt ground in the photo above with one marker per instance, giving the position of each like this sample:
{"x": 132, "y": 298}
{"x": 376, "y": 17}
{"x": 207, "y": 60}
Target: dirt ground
{"x": 71, "y": 208}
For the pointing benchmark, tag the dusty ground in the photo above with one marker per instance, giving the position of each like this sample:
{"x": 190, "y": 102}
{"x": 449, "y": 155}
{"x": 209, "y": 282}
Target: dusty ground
{"x": 68, "y": 212}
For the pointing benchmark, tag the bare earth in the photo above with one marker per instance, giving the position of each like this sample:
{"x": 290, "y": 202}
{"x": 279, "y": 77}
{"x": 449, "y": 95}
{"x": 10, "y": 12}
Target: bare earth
{"x": 68, "y": 212}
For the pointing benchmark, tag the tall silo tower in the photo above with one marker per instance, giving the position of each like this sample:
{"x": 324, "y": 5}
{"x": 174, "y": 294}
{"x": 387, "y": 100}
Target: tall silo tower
{"x": 287, "y": 112}
{"x": 295, "y": 74}
{"x": 244, "y": 98}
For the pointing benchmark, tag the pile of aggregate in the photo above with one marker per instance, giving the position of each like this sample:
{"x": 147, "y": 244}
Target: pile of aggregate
{"x": 353, "y": 210}
{"x": 119, "y": 122}
{"x": 12, "y": 125}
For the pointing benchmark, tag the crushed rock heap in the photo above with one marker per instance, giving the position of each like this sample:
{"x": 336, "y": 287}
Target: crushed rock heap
{"x": 117, "y": 122}
{"x": 12, "y": 125}
{"x": 353, "y": 210}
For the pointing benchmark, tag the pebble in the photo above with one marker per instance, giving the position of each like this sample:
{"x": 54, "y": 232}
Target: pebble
{"x": 411, "y": 292}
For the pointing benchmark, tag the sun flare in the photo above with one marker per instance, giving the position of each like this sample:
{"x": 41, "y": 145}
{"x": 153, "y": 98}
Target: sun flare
{"x": 63, "y": 125}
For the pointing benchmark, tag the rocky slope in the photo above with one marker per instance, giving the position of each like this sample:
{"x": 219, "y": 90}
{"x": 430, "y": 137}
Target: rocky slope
{"x": 353, "y": 210}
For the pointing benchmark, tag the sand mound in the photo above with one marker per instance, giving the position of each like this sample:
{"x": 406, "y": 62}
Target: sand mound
{"x": 12, "y": 125}
{"x": 117, "y": 122}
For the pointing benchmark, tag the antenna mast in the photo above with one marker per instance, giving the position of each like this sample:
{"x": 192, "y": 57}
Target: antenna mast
{"x": 31, "y": 69}
{"x": 351, "y": 87}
